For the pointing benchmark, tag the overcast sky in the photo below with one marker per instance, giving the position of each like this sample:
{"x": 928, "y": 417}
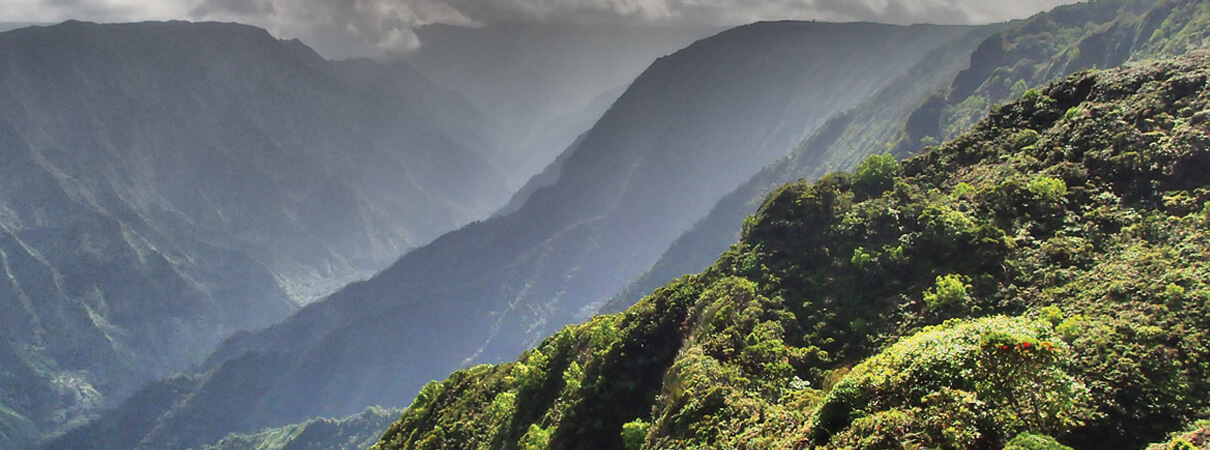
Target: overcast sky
{"x": 385, "y": 26}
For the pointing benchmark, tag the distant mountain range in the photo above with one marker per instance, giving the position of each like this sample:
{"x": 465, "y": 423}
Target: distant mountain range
{"x": 657, "y": 187}
{"x": 167, "y": 184}
{"x": 541, "y": 85}
{"x": 694, "y": 126}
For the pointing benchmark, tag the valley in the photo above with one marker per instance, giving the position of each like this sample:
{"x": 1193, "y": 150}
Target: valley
{"x": 215, "y": 238}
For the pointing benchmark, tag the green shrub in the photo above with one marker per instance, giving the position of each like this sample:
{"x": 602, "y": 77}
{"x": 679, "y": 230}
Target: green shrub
{"x": 634, "y": 433}
{"x": 536, "y": 438}
{"x": 994, "y": 376}
{"x": 949, "y": 290}
{"x": 1048, "y": 189}
{"x": 1024, "y": 138}
{"x": 1073, "y": 112}
{"x": 1026, "y": 441}
{"x": 876, "y": 174}
{"x": 1181, "y": 444}
{"x": 861, "y": 258}
{"x": 962, "y": 190}
{"x": 1052, "y": 314}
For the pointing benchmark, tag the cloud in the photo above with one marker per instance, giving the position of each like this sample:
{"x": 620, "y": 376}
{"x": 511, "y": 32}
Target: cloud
{"x": 383, "y": 27}
{"x": 94, "y": 10}
{"x": 338, "y": 27}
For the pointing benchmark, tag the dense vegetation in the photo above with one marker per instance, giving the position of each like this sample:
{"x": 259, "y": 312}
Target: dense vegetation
{"x": 1036, "y": 282}
{"x": 351, "y": 433}
{"x": 1095, "y": 34}
{"x": 943, "y": 97}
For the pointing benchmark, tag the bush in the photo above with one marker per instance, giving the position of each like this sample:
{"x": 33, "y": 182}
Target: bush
{"x": 875, "y": 175}
{"x": 862, "y": 259}
{"x": 1073, "y": 112}
{"x": 950, "y": 290}
{"x": 1026, "y": 441}
{"x": 1048, "y": 189}
{"x": 536, "y": 438}
{"x": 634, "y": 433}
{"x": 994, "y": 377}
{"x": 1024, "y": 138}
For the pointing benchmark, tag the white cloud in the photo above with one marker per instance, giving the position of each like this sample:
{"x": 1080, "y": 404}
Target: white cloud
{"x": 347, "y": 27}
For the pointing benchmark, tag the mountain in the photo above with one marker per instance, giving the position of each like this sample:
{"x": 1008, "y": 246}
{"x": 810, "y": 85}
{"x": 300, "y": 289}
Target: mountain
{"x": 691, "y": 128}
{"x": 5, "y": 26}
{"x": 541, "y": 85}
{"x": 1038, "y": 282}
{"x": 913, "y": 112}
{"x": 551, "y": 173}
{"x": 167, "y": 184}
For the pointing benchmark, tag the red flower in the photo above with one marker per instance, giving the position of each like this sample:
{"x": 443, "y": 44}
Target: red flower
{"x": 1026, "y": 344}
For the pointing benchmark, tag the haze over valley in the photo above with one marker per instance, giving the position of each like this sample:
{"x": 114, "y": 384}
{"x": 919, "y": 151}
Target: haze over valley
{"x": 274, "y": 224}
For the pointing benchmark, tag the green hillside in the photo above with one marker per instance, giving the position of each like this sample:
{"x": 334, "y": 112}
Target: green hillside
{"x": 1041, "y": 277}
{"x": 1096, "y": 34}
{"x": 943, "y": 96}
{"x": 350, "y": 433}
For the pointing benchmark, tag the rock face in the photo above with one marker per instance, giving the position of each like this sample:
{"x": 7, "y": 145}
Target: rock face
{"x": 690, "y": 129}
{"x": 166, "y": 184}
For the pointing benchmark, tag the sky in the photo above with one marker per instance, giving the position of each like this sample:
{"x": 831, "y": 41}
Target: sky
{"x": 384, "y": 27}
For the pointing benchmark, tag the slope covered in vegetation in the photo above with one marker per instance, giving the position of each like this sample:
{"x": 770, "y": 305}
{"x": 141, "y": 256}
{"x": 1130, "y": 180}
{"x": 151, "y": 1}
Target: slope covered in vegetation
{"x": 937, "y": 100}
{"x": 1042, "y": 277}
{"x": 350, "y": 433}
{"x": 1096, "y": 34}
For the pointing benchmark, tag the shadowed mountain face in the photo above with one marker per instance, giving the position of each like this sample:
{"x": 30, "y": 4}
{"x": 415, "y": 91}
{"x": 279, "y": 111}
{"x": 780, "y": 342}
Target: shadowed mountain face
{"x": 166, "y": 184}
{"x": 541, "y": 85}
{"x": 690, "y": 129}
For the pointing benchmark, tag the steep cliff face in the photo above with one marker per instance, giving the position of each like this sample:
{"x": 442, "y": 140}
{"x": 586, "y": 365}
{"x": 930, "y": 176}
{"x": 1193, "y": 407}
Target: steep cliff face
{"x": 1041, "y": 279}
{"x": 691, "y": 128}
{"x": 167, "y": 184}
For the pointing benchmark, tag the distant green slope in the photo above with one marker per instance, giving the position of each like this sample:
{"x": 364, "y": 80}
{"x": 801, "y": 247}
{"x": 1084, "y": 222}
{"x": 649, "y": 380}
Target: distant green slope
{"x": 1044, "y": 273}
{"x": 350, "y": 433}
{"x": 1096, "y": 34}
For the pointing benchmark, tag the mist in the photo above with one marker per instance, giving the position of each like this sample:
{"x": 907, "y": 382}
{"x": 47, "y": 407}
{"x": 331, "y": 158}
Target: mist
{"x": 388, "y": 28}
{"x": 541, "y": 85}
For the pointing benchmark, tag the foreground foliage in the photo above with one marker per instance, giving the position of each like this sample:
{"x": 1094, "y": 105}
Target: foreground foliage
{"x": 1038, "y": 282}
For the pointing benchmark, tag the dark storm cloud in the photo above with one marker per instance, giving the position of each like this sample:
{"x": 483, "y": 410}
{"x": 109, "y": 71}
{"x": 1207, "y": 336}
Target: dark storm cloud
{"x": 346, "y": 27}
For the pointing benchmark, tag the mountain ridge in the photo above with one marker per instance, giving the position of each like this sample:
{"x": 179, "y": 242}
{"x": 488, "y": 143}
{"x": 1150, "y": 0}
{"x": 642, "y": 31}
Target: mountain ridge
{"x": 1035, "y": 283}
{"x": 713, "y": 111}
{"x": 1022, "y": 54}
{"x": 168, "y": 184}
